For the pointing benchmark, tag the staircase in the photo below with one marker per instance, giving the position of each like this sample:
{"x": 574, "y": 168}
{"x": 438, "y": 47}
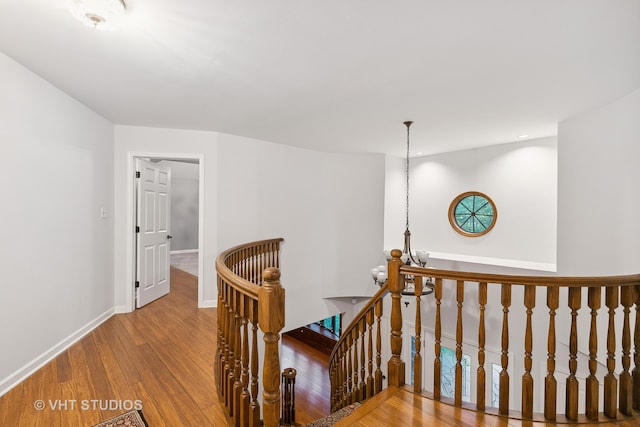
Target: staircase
{"x": 612, "y": 304}
{"x": 597, "y": 383}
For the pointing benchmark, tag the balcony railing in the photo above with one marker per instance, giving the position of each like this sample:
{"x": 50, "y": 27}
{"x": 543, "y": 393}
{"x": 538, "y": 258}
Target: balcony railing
{"x": 249, "y": 297}
{"x": 611, "y": 393}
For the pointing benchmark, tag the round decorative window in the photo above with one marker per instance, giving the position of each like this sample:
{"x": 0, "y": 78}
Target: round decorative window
{"x": 472, "y": 214}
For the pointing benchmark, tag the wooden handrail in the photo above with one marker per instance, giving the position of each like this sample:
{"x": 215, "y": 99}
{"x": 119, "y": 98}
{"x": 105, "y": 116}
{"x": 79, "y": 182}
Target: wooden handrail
{"x": 361, "y": 328}
{"x": 621, "y": 390}
{"x": 618, "y": 295}
{"x": 560, "y": 281}
{"x": 249, "y": 297}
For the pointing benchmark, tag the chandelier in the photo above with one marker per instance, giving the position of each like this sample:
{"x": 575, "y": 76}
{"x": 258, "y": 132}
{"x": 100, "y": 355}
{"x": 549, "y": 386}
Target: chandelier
{"x": 408, "y": 257}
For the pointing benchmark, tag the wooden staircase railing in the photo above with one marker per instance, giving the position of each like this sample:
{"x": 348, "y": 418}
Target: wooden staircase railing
{"x": 249, "y": 296}
{"x": 353, "y": 378}
{"x": 621, "y": 392}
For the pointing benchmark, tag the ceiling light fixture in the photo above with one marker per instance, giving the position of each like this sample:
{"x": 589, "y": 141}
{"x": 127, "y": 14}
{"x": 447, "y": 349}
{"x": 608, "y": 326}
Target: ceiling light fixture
{"x": 99, "y": 14}
{"x": 408, "y": 257}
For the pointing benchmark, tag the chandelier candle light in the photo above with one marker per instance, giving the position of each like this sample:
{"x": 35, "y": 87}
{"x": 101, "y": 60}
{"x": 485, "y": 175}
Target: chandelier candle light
{"x": 418, "y": 258}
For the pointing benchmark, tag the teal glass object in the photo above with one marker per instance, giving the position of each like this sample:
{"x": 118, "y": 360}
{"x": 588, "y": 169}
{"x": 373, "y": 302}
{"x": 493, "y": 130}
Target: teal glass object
{"x": 472, "y": 214}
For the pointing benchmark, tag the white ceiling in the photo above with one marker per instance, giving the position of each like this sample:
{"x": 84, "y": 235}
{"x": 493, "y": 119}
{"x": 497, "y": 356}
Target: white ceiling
{"x": 339, "y": 75}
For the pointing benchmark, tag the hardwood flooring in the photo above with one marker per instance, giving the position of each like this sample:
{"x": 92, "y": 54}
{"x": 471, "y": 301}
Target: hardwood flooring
{"x": 159, "y": 357}
{"x": 313, "y": 388}
{"x": 400, "y": 407}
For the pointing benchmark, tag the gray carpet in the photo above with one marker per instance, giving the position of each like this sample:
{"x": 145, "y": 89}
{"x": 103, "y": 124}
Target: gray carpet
{"x": 186, "y": 262}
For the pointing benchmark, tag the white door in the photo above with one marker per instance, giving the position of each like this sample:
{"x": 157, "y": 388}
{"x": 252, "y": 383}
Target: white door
{"x": 152, "y": 231}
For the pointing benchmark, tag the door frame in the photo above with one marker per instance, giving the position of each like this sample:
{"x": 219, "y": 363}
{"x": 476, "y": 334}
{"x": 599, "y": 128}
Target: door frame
{"x": 131, "y": 219}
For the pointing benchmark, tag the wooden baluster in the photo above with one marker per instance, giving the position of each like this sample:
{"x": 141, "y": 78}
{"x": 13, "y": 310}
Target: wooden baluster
{"x": 362, "y": 387}
{"x": 219, "y": 343}
{"x": 341, "y": 379}
{"x": 504, "y": 359}
{"x": 256, "y": 265}
{"x": 289, "y": 401}
{"x": 482, "y": 381}
{"x": 571, "y": 410}
{"x": 378, "y": 373}
{"x": 636, "y": 355}
{"x": 458, "y": 379}
{"x": 334, "y": 383}
{"x": 350, "y": 345}
{"x": 237, "y": 363}
{"x": 222, "y": 326}
{"x": 274, "y": 251}
{"x": 229, "y": 367}
{"x": 271, "y": 254}
{"x": 396, "y": 366}
{"x": 251, "y": 267}
{"x": 243, "y": 263}
{"x": 437, "y": 366}
{"x": 417, "y": 358}
{"x": 527, "y": 379}
{"x": 626, "y": 382}
{"x": 254, "y": 407}
{"x": 271, "y": 320}
{"x": 355, "y": 393}
{"x": 337, "y": 385}
{"x": 370, "y": 381}
{"x": 332, "y": 378}
{"x": 244, "y": 395}
{"x": 592, "y": 383}
{"x": 610, "y": 380}
{"x": 259, "y": 264}
{"x": 249, "y": 262}
{"x": 550, "y": 383}
{"x": 345, "y": 369}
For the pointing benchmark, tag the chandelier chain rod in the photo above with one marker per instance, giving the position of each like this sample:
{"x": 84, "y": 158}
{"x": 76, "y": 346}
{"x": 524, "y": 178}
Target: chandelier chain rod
{"x": 408, "y": 124}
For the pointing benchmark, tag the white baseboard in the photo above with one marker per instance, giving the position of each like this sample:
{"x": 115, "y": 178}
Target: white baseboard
{"x": 119, "y": 309}
{"x": 21, "y": 374}
{"x": 184, "y": 251}
{"x": 209, "y": 303}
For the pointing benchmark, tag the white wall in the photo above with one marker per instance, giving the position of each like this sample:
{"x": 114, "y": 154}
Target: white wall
{"x": 598, "y": 227}
{"x": 521, "y": 179}
{"x": 57, "y": 259}
{"x": 184, "y": 204}
{"x": 328, "y": 208}
{"x": 155, "y": 142}
{"x": 597, "y": 171}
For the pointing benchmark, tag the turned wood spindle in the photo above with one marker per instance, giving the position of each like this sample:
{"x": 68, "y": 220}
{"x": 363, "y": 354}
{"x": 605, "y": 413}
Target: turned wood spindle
{"x": 481, "y": 375}
{"x": 592, "y": 382}
{"x": 527, "y": 379}
{"x": 504, "y": 358}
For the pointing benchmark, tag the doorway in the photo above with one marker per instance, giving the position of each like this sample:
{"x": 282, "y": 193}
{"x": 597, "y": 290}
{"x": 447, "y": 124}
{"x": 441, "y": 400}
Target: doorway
{"x": 197, "y": 159}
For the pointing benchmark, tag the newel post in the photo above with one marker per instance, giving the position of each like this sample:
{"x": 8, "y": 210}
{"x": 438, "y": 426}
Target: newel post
{"x": 271, "y": 321}
{"x": 396, "y": 286}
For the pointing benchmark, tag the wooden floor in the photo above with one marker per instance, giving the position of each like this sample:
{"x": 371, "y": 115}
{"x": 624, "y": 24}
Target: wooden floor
{"x": 400, "y": 407}
{"x": 160, "y": 357}
{"x": 313, "y": 388}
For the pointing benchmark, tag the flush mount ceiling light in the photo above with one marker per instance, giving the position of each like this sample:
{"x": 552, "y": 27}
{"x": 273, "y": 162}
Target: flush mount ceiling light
{"x": 99, "y": 14}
